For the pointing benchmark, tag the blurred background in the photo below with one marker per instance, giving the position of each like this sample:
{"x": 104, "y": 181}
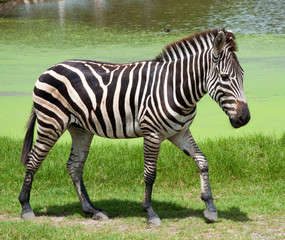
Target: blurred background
{"x": 245, "y": 16}
{"x": 36, "y": 34}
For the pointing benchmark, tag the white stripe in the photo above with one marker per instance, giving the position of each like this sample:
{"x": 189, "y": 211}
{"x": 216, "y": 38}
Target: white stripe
{"x": 128, "y": 111}
{"x": 139, "y": 83}
{"x": 141, "y": 107}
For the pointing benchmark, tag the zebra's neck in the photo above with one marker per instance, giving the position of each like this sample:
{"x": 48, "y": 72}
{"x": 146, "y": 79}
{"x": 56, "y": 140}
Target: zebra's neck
{"x": 181, "y": 83}
{"x": 189, "y": 63}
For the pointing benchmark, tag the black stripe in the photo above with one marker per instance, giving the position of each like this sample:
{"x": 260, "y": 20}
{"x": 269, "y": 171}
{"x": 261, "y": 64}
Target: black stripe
{"x": 124, "y": 85}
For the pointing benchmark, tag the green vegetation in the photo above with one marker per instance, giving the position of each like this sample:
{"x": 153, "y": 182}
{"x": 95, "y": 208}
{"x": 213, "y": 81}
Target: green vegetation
{"x": 247, "y": 177}
{"x": 29, "y": 47}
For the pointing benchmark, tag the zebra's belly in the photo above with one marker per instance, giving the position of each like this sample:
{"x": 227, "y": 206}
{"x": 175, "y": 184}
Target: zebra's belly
{"x": 113, "y": 124}
{"x": 116, "y": 126}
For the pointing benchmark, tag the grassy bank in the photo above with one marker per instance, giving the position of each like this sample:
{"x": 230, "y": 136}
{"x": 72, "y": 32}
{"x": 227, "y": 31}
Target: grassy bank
{"x": 247, "y": 177}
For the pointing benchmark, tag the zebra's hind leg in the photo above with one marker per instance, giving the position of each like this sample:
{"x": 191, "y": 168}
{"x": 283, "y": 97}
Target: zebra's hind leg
{"x": 187, "y": 144}
{"x": 151, "y": 150}
{"x": 81, "y": 140}
{"x": 34, "y": 160}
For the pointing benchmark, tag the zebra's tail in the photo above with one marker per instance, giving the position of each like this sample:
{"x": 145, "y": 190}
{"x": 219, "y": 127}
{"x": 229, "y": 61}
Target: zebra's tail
{"x": 28, "y": 141}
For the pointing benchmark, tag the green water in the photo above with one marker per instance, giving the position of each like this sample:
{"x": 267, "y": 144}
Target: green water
{"x": 243, "y": 16}
{"x": 31, "y": 42}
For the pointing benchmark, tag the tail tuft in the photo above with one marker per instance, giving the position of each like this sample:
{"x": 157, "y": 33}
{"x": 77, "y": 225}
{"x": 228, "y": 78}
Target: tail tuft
{"x": 28, "y": 141}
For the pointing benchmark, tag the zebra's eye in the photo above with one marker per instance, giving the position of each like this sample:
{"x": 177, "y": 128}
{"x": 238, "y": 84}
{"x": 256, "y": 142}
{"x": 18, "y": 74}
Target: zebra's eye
{"x": 225, "y": 76}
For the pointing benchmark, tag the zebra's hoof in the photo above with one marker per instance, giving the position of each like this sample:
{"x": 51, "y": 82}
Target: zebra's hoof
{"x": 100, "y": 216}
{"x": 154, "y": 222}
{"x": 211, "y": 216}
{"x": 28, "y": 215}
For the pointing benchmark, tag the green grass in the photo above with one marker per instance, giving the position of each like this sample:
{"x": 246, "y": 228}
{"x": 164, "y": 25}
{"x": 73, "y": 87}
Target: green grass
{"x": 247, "y": 178}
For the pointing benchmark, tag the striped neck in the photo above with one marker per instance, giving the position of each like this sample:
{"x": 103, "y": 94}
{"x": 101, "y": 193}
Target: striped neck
{"x": 192, "y": 59}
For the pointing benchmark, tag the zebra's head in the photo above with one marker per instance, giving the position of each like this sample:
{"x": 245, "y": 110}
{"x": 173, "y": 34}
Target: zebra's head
{"x": 225, "y": 84}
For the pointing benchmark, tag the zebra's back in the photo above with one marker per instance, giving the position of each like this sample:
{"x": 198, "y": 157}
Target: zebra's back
{"x": 106, "y": 99}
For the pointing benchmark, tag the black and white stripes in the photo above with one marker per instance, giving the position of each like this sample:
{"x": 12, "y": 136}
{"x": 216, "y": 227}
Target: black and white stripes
{"x": 153, "y": 99}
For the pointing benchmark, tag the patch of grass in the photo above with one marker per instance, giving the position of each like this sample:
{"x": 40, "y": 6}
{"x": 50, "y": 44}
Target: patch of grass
{"x": 254, "y": 158}
{"x": 247, "y": 178}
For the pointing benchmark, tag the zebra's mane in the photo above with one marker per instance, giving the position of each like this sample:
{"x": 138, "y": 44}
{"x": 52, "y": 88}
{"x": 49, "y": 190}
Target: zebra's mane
{"x": 173, "y": 50}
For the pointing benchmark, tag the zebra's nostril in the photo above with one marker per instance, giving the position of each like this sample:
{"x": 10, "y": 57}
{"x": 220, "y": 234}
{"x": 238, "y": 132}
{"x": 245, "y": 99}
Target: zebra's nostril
{"x": 243, "y": 119}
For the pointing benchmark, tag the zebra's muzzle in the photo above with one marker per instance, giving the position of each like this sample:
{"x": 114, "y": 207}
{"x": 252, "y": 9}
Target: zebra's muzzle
{"x": 242, "y": 117}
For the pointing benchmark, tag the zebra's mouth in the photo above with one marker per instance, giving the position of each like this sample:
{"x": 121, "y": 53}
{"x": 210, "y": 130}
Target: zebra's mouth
{"x": 242, "y": 117}
{"x": 238, "y": 123}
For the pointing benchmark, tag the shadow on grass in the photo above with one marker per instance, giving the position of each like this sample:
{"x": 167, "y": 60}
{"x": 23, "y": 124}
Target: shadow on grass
{"x": 123, "y": 209}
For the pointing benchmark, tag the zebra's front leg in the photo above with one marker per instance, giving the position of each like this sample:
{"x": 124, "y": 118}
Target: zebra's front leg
{"x": 187, "y": 144}
{"x": 81, "y": 140}
{"x": 151, "y": 149}
{"x": 206, "y": 195}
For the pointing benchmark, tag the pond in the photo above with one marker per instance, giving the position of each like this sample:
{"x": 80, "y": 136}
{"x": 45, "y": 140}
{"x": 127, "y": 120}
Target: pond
{"x": 244, "y": 16}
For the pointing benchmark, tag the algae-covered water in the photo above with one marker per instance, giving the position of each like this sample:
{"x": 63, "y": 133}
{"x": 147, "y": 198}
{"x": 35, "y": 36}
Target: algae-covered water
{"x": 34, "y": 37}
{"x": 244, "y": 16}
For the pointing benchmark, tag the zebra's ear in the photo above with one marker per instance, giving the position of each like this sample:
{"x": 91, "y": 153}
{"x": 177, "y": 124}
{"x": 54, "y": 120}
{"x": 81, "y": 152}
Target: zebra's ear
{"x": 219, "y": 43}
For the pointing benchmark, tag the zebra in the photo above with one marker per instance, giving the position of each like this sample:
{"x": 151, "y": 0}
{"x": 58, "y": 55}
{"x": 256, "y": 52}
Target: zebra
{"x": 154, "y": 99}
